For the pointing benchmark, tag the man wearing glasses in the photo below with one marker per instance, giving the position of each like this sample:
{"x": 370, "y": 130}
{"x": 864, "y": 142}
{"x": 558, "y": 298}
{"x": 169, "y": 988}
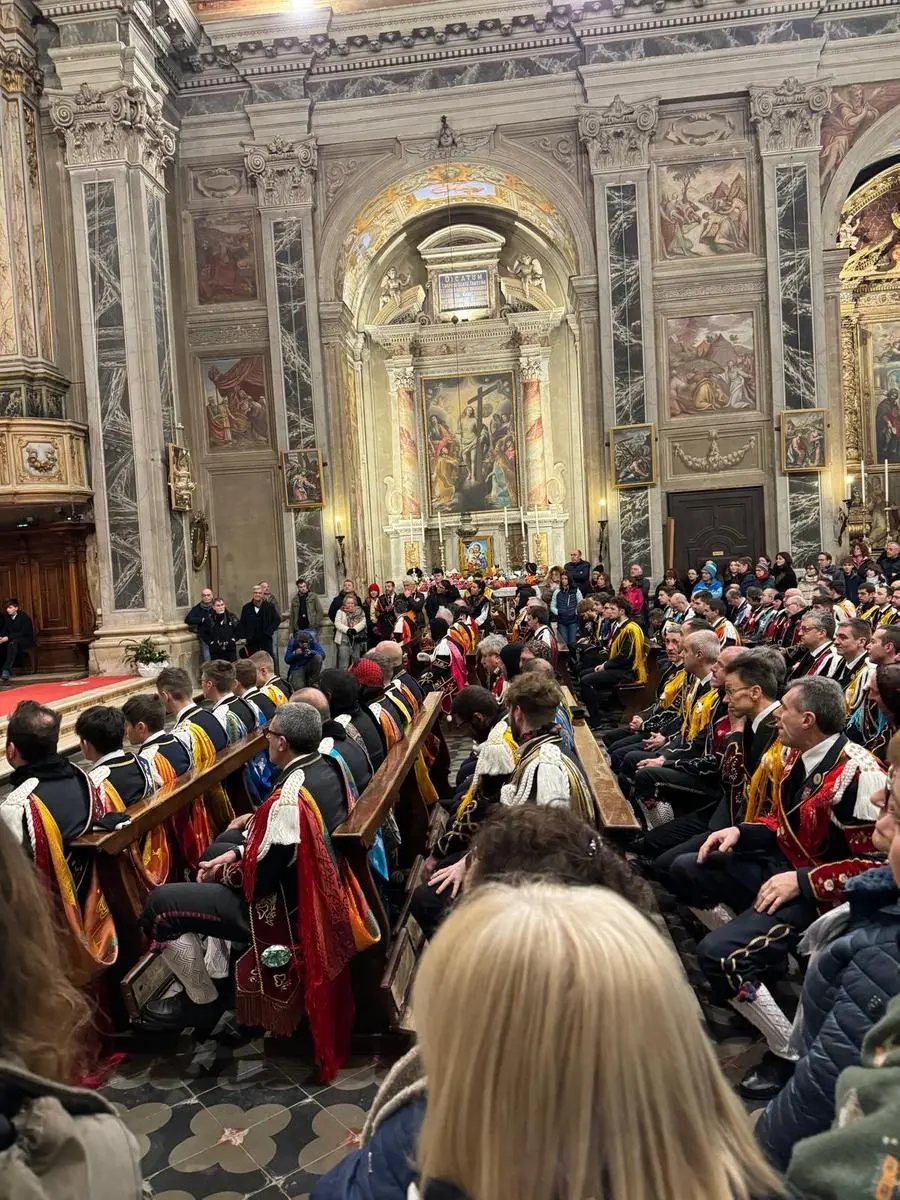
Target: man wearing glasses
{"x": 818, "y": 656}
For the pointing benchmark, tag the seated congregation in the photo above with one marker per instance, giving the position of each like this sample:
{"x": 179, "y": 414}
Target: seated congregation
{"x": 275, "y": 852}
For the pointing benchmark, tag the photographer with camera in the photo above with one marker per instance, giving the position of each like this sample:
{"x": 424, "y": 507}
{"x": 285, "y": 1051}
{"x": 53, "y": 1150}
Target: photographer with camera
{"x": 304, "y": 658}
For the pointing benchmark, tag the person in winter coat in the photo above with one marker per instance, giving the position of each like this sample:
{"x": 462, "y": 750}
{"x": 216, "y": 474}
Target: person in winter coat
{"x": 304, "y": 658}
{"x": 857, "y": 1158}
{"x": 783, "y": 574}
{"x": 220, "y": 631}
{"x": 578, "y": 570}
{"x": 57, "y": 1141}
{"x": 195, "y": 618}
{"x": 709, "y": 581}
{"x": 306, "y": 609}
{"x": 349, "y": 632}
{"x": 564, "y": 608}
{"x": 847, "y": 989}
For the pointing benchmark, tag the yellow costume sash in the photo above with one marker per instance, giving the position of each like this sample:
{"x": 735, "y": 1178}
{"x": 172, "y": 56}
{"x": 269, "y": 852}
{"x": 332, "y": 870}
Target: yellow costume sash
{"x": 218, "y": 806}
{"x": 765, "y": 782}
{"x": 673, "y": 693}
{"x": 637, "y": 652}
{"x": 274, "y": 692}
{"x": 509, "y": 743}
{"x": 153, "y": 859}
{"x": 697, "y": 717}
{"x": 95, "y": 943}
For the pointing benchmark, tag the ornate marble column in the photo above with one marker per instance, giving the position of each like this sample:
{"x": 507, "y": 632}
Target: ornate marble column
{"x": 30, "y": 385}
{"x": 402, "y": 376}
{"x": 535, "y": 374}
{"x": 117, "y": 147}
{"x": 617, "y": 139}
{"x": 285, "y": 174}
{"x": 787, "y": 120}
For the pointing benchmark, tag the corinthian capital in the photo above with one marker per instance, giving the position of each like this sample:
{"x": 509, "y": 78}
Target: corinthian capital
{"x": 284, "y": 172}
{"x": 618, "y": 135}
{"x": 788, "y": 117}
{"x": 19, "y": 74}
{"x": 120, "y": 125}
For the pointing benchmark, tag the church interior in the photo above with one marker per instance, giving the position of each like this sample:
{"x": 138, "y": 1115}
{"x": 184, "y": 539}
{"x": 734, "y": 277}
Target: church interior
{"x": 388, "y": 290}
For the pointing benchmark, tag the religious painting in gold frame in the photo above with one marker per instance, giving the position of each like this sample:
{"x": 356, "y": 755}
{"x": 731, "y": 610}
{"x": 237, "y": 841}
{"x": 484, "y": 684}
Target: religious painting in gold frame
{"x": 632, "y": 455}
{"x": 803, "y": 439}
{"x": 304, "y": 487}
{"x": 476, "y": 555}
{"x": 471, "y": 446}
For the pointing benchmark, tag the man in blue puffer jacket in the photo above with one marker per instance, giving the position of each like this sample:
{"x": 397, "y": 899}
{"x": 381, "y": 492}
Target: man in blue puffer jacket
{"x": 847, "y": 989}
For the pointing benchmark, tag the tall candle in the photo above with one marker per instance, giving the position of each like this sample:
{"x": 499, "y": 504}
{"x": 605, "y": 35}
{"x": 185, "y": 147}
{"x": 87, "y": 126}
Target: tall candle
{"x": 522, "y": 521}
{"x": 537, "y": 520}
{"x": 886, "y": 482}
{"x": 863, "y": 478}
{"x": 506, "y": 521}
{"x": 440, "y": 527}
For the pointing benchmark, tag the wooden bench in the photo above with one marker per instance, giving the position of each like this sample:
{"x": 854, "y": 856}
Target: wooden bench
{"x": 615, "y": 811}
{"x": 124, "y": 894}
{"x": 638, "y": 696}
{"x": 382, "y": 975}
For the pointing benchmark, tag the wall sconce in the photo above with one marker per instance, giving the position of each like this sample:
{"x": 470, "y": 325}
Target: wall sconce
{"x": 339, "y": 538}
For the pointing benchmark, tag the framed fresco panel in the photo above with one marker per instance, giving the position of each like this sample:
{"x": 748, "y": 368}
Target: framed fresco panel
{"x": 884, "y": 419}
{"x": 235, "y": 392}
{"x": 303, "y": 484}
{"x": 225, "y": 254}
{"x": 803, "y": 439}
{"x": 471, "y": 442}
{"x": 476, "y": 555}
{"x": 711, "y": 365}
{"x": 632, "y": 452}
{"x": 702, "y": 209}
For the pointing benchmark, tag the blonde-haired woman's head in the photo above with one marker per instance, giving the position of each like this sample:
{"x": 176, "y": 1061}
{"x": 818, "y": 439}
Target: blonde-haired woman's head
{"x": 566, "y": 1059}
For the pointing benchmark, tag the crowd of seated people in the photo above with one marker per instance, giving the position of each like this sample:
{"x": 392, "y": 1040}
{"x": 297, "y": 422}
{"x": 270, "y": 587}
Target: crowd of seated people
{"x": 756, "y": 771}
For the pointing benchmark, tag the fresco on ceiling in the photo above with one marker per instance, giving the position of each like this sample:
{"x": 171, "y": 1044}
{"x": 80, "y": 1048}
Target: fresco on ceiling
{"x": 439, "y": 186}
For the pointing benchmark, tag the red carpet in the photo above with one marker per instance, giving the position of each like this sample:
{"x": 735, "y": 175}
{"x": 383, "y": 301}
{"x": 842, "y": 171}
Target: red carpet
{"x": 63, "y": 689}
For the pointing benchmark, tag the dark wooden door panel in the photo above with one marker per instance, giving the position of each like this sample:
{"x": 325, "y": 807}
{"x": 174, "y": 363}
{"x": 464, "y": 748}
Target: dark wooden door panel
{"x": 717, "y": 524}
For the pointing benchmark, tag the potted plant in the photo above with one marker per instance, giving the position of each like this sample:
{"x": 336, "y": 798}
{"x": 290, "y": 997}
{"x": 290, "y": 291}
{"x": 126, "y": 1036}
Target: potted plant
{"x": 146, "y": 657}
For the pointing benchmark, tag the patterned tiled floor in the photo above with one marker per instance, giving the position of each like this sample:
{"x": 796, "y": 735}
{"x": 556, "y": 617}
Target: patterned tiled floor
{"x": 222, "y": 1121}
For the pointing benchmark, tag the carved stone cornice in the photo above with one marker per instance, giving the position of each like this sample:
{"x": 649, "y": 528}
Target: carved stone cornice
{"x": 284, "y": 172}
{"x": 123, "y": 124}
{"x": 787, "y": 118}
{"x": 19, "y": 74}
{"x": 617, "y": 136}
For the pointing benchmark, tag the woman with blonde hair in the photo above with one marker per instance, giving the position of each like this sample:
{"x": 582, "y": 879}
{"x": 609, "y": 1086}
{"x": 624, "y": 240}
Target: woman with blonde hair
{"x": 566, "y": 1060}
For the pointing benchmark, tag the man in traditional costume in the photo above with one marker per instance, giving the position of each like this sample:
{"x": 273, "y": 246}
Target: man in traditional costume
{"x": 740, "y": 738}
{"x": 545, "y": 773}
{"x": 266, "y": 679}
{"x": 343, "y": 693}
{"x": 237, "y": 716}
{"x": 537, "y": 621}
{"x": 784, "y": 865}
{"x": 202, "y": 730}
{"x": 282, "y": 888}
{"x": 867, "y": 723}
{"x": 168, "y": 757}
{"x": 626, "y": 663}
{"x": 711, "y": 608}
{"x": 123, "y": 777}
{"x": 683, "y": 775}
{"x": 336, "y": 741}
{"x": 663, "y": 716}
{"x": 478, "y": 784}
{"x": 851, "y": 639}
{"x": 51, "y": 803}
{"x": 818, "y": 655}
{"x": 246, "y": 687}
